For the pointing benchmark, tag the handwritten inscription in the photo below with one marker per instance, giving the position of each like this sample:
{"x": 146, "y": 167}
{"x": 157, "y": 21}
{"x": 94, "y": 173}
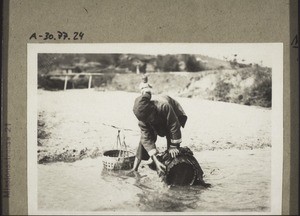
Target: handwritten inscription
{"x": 59, "y": 35}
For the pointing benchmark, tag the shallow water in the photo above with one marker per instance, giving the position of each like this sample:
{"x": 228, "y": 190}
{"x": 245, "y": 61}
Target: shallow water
{"x": 240, "y": 179}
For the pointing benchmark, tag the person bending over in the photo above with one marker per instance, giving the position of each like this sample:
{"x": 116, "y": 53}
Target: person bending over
{"x": 163, "y": 117}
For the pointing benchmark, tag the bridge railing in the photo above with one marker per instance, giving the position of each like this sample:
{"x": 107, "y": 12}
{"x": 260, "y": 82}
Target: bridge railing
{"x": 77, "y": 74}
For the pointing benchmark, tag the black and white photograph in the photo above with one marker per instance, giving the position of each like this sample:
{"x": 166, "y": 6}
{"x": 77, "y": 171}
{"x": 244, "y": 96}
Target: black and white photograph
{"x": 161, "y": 128}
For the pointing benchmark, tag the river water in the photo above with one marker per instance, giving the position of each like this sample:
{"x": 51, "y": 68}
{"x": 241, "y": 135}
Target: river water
{"x": 241, "y": 181}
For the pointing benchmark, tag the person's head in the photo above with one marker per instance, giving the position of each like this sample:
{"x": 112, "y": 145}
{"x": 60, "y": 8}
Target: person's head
{"x": 144, "y": 109}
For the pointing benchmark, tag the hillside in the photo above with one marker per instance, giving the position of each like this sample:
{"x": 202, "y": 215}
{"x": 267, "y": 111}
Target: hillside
{"x": 248, "y": 86}
{"x": 96, "y": 63}
{"x": 192, "y": 76}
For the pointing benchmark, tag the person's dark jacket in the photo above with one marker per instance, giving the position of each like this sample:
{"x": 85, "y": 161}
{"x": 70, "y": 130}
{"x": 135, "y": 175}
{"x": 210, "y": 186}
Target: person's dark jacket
{"x": 170, "y": 118}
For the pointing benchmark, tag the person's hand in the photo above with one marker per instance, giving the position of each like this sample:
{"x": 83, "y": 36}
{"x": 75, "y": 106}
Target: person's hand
{"x": 173, "y": 151}
{"x": 160, "y": 167}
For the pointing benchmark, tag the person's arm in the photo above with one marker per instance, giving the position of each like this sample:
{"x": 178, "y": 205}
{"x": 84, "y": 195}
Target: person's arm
{"x": 173, "y": 125}
{"x": 148, "y": 139}
{"x": 136, "y": 164}
{"x": 161, "y": 168}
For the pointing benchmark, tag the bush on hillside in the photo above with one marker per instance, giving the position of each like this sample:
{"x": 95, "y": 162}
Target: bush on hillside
{"x": 222, "y": 90}
{"x": 261, "y": 94}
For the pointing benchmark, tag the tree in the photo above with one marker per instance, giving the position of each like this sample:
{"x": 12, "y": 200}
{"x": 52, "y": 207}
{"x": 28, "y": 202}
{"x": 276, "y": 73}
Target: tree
{"x": 192, "y": 65}
{"x": 170, "y": 63}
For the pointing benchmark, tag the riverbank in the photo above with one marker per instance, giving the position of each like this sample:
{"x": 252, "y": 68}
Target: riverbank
{"x": 76, "y": 124}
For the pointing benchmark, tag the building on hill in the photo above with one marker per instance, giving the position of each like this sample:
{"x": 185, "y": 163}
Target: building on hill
{"x": 150, "y": 67}
{"x": 69, "y": 69}
{"x": 182, "y": 66}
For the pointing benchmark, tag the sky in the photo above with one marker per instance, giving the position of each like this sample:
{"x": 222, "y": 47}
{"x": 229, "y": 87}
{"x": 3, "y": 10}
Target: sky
{"x": 251, "y": 53}
{"x": 260, "y": 53}
{"x": 267, "y": 54}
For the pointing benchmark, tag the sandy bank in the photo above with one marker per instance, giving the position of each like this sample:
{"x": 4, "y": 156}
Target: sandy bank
{"x": 73, "y": 124}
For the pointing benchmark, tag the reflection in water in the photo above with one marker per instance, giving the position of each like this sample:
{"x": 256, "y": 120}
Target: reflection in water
{"x": 240, "y": 182}
{"x": 156, "y": 195}
{"x": 174, "y": 199}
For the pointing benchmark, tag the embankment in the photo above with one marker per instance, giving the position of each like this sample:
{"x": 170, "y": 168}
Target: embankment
{"x": 247, "y": 86}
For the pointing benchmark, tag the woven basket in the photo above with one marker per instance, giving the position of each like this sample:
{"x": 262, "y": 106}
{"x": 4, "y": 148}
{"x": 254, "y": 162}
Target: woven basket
{"x": 120, "y": 158}
{"x": 116, "y": 159}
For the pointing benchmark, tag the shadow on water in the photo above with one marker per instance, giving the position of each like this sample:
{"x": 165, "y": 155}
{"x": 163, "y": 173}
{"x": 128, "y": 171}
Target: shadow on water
{"x": 153, "y": 194}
